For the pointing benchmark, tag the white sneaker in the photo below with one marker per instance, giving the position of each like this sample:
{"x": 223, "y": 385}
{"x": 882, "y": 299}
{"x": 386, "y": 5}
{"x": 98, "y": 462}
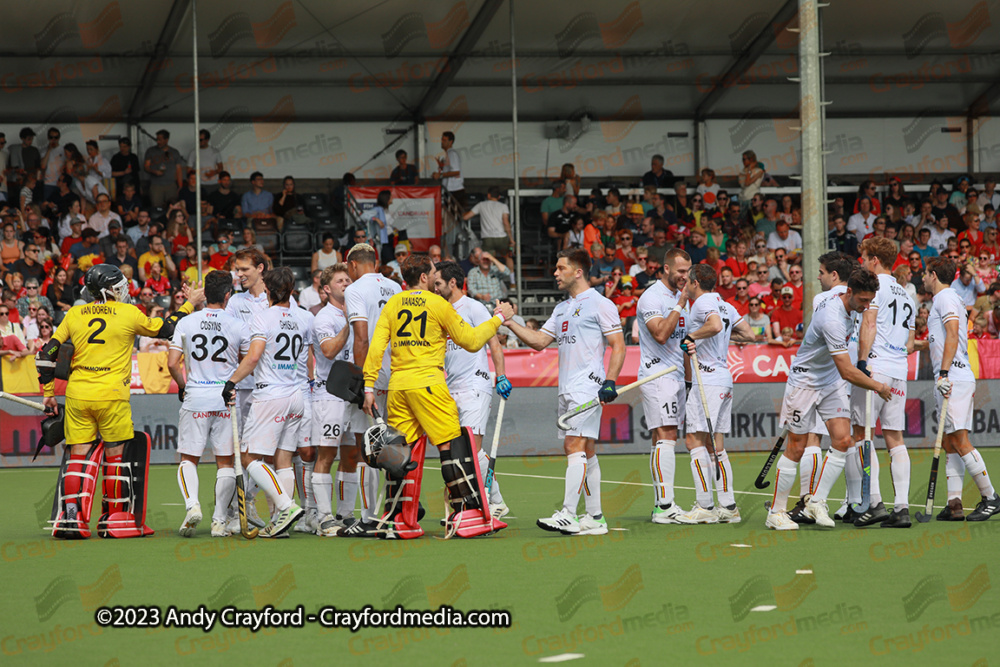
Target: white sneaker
{"x": 252, "y": 517}
{"x": 589, "y": 525}
{"x": 561, "y": 521}
{"x": 191, "y": 521}
{"x": 727, "y": 515}
{"x": 698, "y": 514}
{"x": 283, "y": 521}
{"x": 329, "y": 525}
{"x": 500, "y": 510}
{"x": 221, "y": 528}
{"x": 666, "y": 514}
{"x": 307, "y": 524}
{"x": 780, "y": 521}
{"x": 817, "y": 511}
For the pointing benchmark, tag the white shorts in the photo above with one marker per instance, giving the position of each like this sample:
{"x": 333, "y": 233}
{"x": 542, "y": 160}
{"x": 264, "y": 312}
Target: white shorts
{"x": 960, "y": 406}
{"x": 720, "y": 406}
{"x": 802, "y": 408}
{"x": 330, "y": 422}
{"x": 663, "y": 401}
{"x": 584, "y": 425}
{"x": 892, "y": 413}
{"x": 360, "y": 422}
{"x": 473, "y": 409}
{"x": 196, "y": 429}
{"x": 273, "y": 424}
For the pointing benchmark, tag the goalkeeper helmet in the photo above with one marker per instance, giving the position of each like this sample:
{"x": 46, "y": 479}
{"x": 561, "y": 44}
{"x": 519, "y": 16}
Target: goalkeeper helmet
{"x": 106, "y": 282}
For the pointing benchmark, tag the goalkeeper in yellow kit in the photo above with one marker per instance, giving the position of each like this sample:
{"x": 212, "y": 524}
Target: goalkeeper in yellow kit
{"x": 92, "y": 350}
{"x": 416, "y": 325}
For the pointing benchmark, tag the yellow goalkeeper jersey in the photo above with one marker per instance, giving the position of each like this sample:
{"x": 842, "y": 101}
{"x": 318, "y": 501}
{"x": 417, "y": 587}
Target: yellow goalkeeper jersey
{"x": 104, "y": 336}
{"x": 416, "y": 325}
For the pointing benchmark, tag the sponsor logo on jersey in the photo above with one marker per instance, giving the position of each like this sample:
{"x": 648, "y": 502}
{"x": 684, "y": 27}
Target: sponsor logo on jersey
{"x": 598, "y": 380}
{"x": 576, "y": 313}
{"x": 799, "y": 369}
{"x": 483, "y": 374}
{"x": 565, "y": 326}
{"x": 280, "y": 419}
{"x": 262, "y": 385}
{"x": 566, "y": 339}
{"x": 652, "y": 362}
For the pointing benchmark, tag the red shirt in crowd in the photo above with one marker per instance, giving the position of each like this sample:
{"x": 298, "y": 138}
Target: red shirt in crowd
{"x": 218, "y": 260}
{"x": 161, "y": 286}
{"x": 739, "y": 268}
{"x": 742, "y": 307}
{"x": 786, "y": 318}
{"x": 797, "y": 300}
{"x": 630, "y": 310}
{"x": 726, "y": 293}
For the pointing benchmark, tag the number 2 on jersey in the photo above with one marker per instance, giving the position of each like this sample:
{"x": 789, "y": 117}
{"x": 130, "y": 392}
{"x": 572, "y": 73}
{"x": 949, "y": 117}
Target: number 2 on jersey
{"x": 200, "y": 351}
{"x": 908, "y": 311}
{"x": 101, "y": 326}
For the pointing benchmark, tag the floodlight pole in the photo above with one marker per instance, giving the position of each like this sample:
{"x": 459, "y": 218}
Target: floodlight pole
{"x": 515, "y": 210}
{"x": 813, "y": 177}
{"x": 197, "y": 133}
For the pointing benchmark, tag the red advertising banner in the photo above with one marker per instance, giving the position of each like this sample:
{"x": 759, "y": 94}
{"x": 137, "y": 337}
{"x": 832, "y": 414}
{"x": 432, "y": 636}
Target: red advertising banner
{"x": 414, "y": 208}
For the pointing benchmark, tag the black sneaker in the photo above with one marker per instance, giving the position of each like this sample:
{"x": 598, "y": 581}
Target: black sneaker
{"x": 871, "y": 516}
{"x": 420, "y": 511}
{"x": 952, "y": 511}
{"x": 798, "y": 514}
{"x": 849, "y": 514}
{"x": 358, "y": 529}
{"x": 898, "y": 519}
{"x": 986, "y": 508}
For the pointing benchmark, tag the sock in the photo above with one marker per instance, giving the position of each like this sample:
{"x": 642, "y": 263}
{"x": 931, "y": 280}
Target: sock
{"x": 833, "y": 465}
{"x": 249, "y": 485}
{"x": 662, "y": 463}
{"x": 808, "y": 467}
{"x": 592, "y": 487}
{"x": 484, "y": 463}
{"x": 702, "y": 472}
{"x": 187, "y": 480}
{"x": 225, "y": 489}
{"x": 286, "y": 477}
{"x": 875, "y": 491}
{"x": 347, "y": 492}
{"x": 977, "y": 471}
{"x": 852, "y": 475}
{"x": 955, "y": 472}
{"x": 899, "y": 468}
{"x": 784, "y": 480}
{"x": 72, "y": 484}
{"x": 322, "y": 491}
{"x": 369, "y": 493}
{"x": 307, "y": 486}
{"x": 576, "y": 471}
{"x": 267, "y": 481}
{"x": 724, "y": 486}
{"x": 111, "y": 488}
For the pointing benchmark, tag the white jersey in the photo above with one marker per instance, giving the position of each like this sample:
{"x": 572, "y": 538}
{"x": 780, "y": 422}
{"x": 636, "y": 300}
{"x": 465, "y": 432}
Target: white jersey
{"x": 285, "y": 339}
{"x": 947, "y": 306}
{"x": 468, "y": 371}
{"x": 852, "y": 341}
{"x": 365, "y": 298}
{"x": 730, "y": 319}
{"x": 813, "y": 366}
{"x": 579, "y": 325}
{"x": 329, "y": 322}
{"x": 712, "y": 352}
{"x": 836, "y": 290}
{"x": 655, "y": 303}
{"x": 213, "y": 341}
{"x": 246, "y": 306}
{"x": 893, "y": 323}
{"x": 309, "y": 337}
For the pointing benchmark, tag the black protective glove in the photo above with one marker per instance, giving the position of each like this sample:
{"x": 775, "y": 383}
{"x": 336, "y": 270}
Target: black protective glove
{"x": 180, "y": 394}
{"x": 862, "y": 366}
{"x": 607, "y": 393}
{"x": 229, "y": 393}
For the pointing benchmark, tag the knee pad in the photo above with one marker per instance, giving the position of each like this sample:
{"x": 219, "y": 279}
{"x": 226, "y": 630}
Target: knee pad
{"x": 125, "y": 484}
{"x": 402, "y": 498}
{"x": 76, "y": 485}
{"x": 470, "y": 515}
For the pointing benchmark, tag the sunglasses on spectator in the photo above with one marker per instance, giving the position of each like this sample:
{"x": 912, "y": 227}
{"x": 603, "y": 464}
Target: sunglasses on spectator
{"x": 4, "y": 312}
{"x": 786, "y": 297}
{"x": 760, "y": 246}
{"x": 741, "y": 287}
{"x": 43, "y": 327}
{"x": 32, "y": 310}
{"x": 754, "y": 303}
{"x": 31, "y": 287}
{"x": 31, "y": 250}
{"x": 761, "y": 272}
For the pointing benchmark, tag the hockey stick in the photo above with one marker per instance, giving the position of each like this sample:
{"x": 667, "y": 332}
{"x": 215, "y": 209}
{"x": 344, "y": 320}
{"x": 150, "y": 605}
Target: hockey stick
{"x": 771, "y": 458}
{"x": 866, "y": 453}
{"x": 563, "y": 423}
{"x": 23, "y": 401}
{"x": 708, "y": 417}
{"x": 488, "y": 482}
{"x": 246, "y": 530}
{"x": 925, "y": 516}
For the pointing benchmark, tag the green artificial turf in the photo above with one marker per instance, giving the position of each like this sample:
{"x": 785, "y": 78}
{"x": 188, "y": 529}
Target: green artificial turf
{"x": 647, "y": 594}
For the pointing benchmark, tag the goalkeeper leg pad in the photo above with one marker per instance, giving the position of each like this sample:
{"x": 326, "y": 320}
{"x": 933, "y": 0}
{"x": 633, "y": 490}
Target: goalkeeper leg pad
{"x": 470, "y": 515}
{"x": 402, "y": 498}
{"x": 74, "y": 495}
{"x": 125, "y": 483}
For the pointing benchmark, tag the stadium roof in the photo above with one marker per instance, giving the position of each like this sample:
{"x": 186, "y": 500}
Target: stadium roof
{"x": 396, "y": 60}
